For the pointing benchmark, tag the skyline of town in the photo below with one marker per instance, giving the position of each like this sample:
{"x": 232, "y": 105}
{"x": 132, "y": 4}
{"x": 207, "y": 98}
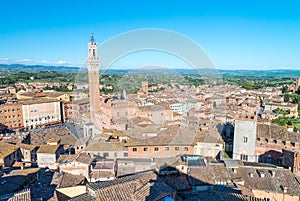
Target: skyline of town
{"x": 172, "y": 136}
{"x": 149, "y": 101}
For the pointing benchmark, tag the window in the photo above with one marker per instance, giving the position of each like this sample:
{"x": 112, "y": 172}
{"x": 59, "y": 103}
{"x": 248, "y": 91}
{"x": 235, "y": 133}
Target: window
{"x": 245, "y": 139}
{"x": 146, "y": 149}
{"x": 176, "y": 148}
{"x": 185, "y": 148}
{"x": 115, "y": 154}
{"x": 155, "y": 148}
{"x": 134, "y": 149}
{"x": 125, "y": 154}
{"x": 105, "y": 154}
{"x": 244, "y": 157}
{"x": 167, "y": 148}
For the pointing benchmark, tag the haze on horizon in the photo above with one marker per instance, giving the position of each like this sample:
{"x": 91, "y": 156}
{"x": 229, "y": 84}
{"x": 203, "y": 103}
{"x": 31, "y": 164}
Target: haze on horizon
{"x": 234, "y": 34}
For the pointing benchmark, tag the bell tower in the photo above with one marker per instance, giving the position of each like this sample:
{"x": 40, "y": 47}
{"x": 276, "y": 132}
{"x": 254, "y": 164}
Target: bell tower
{"x": 93, "y": 66}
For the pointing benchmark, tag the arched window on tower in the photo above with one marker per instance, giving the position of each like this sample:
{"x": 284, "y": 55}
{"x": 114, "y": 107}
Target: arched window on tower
{"x": 94, "y": 53}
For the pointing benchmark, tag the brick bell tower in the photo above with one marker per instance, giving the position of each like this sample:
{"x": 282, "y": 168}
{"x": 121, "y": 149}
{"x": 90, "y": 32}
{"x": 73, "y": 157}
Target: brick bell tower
{"x": 93, "y": 66}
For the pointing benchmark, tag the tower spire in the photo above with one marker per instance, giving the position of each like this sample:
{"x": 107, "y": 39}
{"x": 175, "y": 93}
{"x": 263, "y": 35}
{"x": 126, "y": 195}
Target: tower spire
{"x": 92, "y": 39}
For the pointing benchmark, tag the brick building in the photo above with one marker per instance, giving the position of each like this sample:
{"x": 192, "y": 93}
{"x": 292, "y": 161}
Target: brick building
{"x": 11, "y": 116}
{"x": 76, "y": 110}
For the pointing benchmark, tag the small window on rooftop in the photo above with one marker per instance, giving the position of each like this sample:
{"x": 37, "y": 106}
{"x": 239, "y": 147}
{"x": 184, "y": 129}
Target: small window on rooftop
{"x": 134, "y": 149}
{"x": 245, "y": 139}
{"x": 146, "y": 149}
{"x": 167, "y": 148}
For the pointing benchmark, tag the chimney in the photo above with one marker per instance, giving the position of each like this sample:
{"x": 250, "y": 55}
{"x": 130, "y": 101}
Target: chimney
{"x": 251, "y": 174}
{"x": 234, "y": 170}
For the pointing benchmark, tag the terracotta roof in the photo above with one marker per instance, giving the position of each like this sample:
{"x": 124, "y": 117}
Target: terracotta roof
{"x": 179, "y": 182}
{"x": 45, "y": 148}
{"x": 55, "y": 94}
{"x": 141, "y": 120}
{"x": 173, "y": 135}
{"x": 209, "y": 174}
{"x": 106, "y": 146}
{"x": 26, "y": 146}
{"x": 69, "y": 180}
{"x": 84, "y": 158}
{"x": 114, "y": 132}
{"x": 140, "y": 186}
{"x": 81, "y": 158}
{"x": 66, "y": 158}
{"x": 283, "y": 177}
{"x": 276, "y": 132}
{"x": 83, "y": 197}
{"x": 102, "y": 174}
{"x": 106, "y": 165}
{"x": 53, "y": 140}
{"x": 80, "y": 101}
{"x": 37, "y": 101}
{"x": 7, "y": 149}
{"x": 218, "y": 196}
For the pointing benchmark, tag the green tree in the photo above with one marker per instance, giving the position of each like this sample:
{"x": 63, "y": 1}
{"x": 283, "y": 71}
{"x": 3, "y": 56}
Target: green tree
{"x": 286, "y": 97}
{"x": 295, "y": 129}
{"x": 284, "y": 89}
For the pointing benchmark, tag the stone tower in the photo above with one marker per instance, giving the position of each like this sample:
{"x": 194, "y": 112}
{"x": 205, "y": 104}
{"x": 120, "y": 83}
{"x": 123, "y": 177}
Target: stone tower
{"x": 93, "y": 65}
{"x": 297, "y": 84}
{"x": 145, "y": 87}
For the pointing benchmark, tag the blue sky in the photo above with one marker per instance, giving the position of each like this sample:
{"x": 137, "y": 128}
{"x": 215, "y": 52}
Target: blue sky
{"x": 235, "y": 34}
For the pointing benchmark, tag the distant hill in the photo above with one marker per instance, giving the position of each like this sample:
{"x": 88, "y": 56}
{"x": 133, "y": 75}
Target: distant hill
{"x": 37, "y": 68}
{"x": 225, "y": 73}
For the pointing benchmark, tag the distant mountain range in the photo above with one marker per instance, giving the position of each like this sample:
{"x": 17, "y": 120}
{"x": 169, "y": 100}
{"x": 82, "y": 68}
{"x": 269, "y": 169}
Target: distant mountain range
{"x": 67, "y": 69}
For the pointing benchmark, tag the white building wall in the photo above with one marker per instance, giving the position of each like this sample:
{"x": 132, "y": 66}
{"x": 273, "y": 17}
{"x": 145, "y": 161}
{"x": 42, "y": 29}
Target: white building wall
{"x": 46, "y": 160}
{"x": 244, "y": 140}
{"x": 41, "y": 113}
